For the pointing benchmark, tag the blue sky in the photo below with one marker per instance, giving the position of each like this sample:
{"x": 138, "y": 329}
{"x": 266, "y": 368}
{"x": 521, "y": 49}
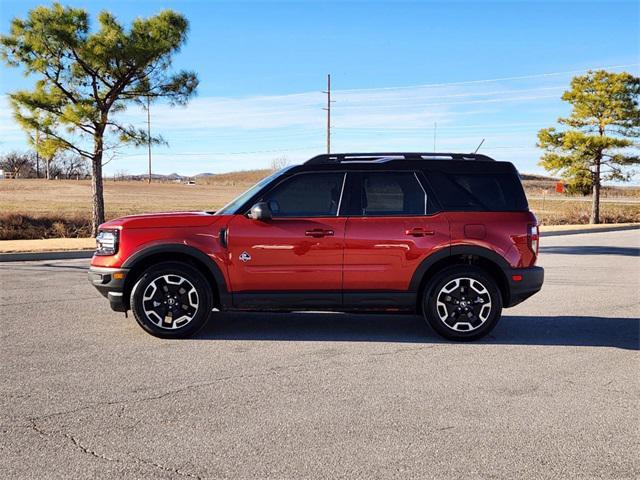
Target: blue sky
{"x": 477, "y": 69}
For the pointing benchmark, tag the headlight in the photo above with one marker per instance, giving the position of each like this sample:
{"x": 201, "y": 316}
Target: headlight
{"x": 107, "y": 242}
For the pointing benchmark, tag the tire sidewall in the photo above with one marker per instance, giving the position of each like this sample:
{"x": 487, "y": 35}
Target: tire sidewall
{"x": 190, "y": 273}
{"x": 440, "y": 280}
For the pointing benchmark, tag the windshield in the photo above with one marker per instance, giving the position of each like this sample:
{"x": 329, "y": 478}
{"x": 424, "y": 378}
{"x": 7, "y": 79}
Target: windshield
{"x": 232, "y": 206}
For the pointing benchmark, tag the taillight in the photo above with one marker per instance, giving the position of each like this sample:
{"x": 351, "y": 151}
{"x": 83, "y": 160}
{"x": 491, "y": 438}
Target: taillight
{"x": 533, "y": 237}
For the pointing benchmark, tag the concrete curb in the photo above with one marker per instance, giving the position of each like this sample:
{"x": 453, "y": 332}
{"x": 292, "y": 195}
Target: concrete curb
{"x": 616, "y": 228}
{"x": 29, "y": 256}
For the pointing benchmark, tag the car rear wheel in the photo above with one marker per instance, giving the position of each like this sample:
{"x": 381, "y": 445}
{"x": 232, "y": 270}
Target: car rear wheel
{"x": 462, "y": 303}
{"x": 171, "y": 300}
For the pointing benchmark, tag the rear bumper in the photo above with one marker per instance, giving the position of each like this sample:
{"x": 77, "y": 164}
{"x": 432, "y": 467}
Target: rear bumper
{"x": 530, "y": 283}
{"x": 110, "y": 283}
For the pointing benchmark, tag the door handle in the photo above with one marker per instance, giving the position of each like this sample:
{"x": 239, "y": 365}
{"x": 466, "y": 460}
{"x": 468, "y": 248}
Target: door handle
{"x": 318, "y": 233}
{"x": 419, "y": 232}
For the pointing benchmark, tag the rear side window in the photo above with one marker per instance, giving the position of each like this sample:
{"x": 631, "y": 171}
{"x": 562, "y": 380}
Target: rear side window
{"x": 307, "y": 195}
{"x": 391, "y": 193}
{"x": 497, "y": 192}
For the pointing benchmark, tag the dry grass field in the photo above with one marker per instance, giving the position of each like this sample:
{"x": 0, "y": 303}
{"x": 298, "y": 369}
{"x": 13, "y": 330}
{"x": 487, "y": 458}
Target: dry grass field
{"x": 562, "y": 210}
{"x": 61, "y": 208}
{"x": 73, "y": 198}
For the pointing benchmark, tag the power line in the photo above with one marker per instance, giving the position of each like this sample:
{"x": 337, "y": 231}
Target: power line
{"x": 502, "y": 79}
{"x": 445, "y": 127}
{"x": 351, "y": 104}
{"x": 328, "y": 92}
{"x": 463, "y": 95}
{"x": 446, "y": 104}
{"x": 200, "y": 154}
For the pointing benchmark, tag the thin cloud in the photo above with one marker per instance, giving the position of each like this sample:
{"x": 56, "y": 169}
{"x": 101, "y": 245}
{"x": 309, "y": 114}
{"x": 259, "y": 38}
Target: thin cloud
{"x": 221, "y": 133}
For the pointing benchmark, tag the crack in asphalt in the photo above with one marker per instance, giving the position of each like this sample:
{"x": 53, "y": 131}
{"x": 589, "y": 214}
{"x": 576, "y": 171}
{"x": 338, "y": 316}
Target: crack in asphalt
{"x": 272, "y": 371}
{"x": 405, "y": 350}
{"x": 101, "y": 456}
{"x": 87, "y": 450}
{"x": 163, "y": 467}
{"x": 124, "y": 403}
{"x": 34, "y": 425}
{"x": 133, "y": 401}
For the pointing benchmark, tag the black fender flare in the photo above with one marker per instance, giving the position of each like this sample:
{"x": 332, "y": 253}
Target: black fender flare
{"x": 198, "y": 255}
{"x": 453, "y": 251}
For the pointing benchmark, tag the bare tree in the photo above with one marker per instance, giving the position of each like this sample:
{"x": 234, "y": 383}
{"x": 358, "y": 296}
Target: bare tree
{"x": 20, "y": 164}
{"x": 279, "y": 163}
{"x": 121, "y": 175}
{"x": 73, "y": 166}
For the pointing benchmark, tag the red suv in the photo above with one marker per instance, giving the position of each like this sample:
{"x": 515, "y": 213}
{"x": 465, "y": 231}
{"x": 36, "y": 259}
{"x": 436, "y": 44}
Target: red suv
{"x": 449, "y": 236}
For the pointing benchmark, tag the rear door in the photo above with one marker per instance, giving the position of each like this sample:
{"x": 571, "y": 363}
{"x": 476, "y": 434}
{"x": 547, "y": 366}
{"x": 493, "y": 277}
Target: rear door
{"x": 299, "y": 250}
{"x": 389, "y": 232}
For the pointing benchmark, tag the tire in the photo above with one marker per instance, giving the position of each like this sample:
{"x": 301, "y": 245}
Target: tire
{"x": 462, "y": 303}
{"x": 171, "y": 300}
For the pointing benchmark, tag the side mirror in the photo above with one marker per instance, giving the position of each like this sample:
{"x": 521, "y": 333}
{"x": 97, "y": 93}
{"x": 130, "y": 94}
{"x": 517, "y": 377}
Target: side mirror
{"x": 260, "y": 211}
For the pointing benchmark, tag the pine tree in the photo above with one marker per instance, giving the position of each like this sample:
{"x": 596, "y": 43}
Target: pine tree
{"x": 84, "y": 78}
{"x": 598, "y": 140}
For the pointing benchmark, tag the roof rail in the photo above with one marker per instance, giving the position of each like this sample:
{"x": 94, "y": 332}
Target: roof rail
{"x": 389, "y": 156}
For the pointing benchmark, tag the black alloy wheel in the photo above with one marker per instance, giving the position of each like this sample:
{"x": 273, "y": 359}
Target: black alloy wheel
{"x": 171, "y": 300}
{"x": 463, "y": 302}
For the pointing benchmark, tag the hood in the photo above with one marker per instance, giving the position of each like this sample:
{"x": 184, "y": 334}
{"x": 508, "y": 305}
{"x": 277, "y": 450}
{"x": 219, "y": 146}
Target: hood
{"x": 162, "y": 220}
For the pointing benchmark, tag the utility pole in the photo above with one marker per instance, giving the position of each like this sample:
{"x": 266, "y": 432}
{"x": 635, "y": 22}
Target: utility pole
{"x": 435, "y": 128}
{"x": 37, "y": 154}
{"x": 149, "y": 133}
{"x": 328, "y": 109}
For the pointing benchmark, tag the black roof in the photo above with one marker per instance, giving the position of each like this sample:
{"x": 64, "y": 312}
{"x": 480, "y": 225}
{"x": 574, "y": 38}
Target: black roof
{"x": 333, "y": 158}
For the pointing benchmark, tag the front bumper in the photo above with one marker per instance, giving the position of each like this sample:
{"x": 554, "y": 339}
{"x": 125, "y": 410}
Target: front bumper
{"x": 110, "y": 283}
{"x": 530, "y": 283}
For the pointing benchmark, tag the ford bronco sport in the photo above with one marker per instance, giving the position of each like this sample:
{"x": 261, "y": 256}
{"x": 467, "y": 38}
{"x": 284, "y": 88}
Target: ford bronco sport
{"x": 448, "y": 236}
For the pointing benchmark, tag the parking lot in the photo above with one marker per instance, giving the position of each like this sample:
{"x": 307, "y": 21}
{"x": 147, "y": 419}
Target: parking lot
{"x": 552, "y": 393}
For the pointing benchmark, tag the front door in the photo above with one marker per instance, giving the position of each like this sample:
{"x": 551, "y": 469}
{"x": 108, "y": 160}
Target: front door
{"x": 295, "y": 258}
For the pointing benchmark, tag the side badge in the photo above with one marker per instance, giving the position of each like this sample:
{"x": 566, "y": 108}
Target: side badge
{"x": 245, "y": 257}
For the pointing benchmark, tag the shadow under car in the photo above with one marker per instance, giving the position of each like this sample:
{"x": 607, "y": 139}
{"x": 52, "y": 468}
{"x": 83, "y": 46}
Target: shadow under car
{"x": 584, "y": 331}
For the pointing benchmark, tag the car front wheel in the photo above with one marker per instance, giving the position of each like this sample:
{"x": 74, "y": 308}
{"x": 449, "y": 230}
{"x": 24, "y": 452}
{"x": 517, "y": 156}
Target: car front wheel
{"x": 171, "y": 300}
{"x": 462, "y": 303}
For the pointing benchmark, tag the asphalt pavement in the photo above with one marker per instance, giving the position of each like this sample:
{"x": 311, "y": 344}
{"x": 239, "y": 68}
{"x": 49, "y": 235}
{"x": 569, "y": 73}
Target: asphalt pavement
{"x": 552, "y": 393}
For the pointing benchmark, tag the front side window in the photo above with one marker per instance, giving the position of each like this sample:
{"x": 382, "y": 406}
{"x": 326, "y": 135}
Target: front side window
{"x": 307, "y": 195}
{"x": 236, "y": 203}
{"x": 392, "y": 193}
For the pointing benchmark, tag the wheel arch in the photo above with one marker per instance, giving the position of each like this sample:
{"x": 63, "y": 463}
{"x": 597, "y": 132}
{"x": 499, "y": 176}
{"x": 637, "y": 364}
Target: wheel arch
{"x": 143, "y": 259}
{"x": 493, "y": 263}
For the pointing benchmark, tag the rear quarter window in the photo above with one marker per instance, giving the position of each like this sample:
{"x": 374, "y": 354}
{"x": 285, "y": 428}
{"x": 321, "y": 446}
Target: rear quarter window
{"x": 497, "y": 192}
